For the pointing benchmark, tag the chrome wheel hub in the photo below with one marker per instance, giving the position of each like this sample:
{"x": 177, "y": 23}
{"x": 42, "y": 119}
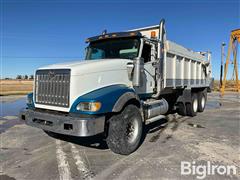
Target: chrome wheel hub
{"x": 203, "y": 102}
{"x": 132, "y": 131}
{"x": 195, "y": 105}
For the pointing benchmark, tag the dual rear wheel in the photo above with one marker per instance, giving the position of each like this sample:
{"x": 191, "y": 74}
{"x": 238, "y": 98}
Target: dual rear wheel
{"x": 197, "y": 104}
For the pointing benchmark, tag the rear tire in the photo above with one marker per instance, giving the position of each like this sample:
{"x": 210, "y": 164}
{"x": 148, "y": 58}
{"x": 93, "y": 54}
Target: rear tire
{"x": 192, "y": 107}
{"x": 201, "y": 101}
{"x": 125, "y": 131}
{"x": 181, "y": 109}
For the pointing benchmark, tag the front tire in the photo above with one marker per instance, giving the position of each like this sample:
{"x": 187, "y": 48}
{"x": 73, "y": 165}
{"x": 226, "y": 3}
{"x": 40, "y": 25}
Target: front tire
{"x": 125, "y": 131}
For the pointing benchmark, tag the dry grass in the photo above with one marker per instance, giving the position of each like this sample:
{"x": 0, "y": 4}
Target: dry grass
{"x": 15, "y": 87}
{"x": 22, "y": 87}
{"x": 230, "y": 85}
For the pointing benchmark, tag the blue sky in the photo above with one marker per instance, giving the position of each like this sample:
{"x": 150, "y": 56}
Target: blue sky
{"x": 37, "y": 33}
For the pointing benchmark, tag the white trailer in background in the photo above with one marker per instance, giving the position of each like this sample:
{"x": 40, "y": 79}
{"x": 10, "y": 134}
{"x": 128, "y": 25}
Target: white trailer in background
{"x": 127, "y": 80}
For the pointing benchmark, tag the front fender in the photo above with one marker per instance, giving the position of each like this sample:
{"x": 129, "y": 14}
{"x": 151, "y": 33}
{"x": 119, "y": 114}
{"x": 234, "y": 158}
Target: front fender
{"x": 108, "y": 96}
{"x": 124, "y": 99}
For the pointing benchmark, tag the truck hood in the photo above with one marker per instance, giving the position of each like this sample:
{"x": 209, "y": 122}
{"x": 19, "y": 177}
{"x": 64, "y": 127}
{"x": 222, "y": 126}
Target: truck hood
{"x": 90, "y": 75}
{"x": 83, "y": 67}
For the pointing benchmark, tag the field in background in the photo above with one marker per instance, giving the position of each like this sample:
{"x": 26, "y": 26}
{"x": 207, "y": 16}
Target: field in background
{"x": 230, "y": 85}
{"x": 21, "y": 87}
{"x": 15, "y": 87}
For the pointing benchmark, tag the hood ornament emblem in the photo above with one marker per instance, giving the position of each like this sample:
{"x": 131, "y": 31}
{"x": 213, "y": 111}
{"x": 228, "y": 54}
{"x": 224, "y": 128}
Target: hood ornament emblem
{"x": 51, "y": 74}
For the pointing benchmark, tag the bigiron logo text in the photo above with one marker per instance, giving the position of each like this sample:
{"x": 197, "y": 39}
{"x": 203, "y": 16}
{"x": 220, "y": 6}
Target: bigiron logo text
{"x": 201, "y": 171}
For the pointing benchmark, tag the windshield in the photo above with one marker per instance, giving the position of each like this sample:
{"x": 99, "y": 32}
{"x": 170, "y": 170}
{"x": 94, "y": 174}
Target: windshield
{"x": 125, "y": 48}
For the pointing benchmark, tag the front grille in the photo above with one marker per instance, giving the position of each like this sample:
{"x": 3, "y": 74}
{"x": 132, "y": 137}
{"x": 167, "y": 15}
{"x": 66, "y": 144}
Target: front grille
{"x": 52, "y": 87}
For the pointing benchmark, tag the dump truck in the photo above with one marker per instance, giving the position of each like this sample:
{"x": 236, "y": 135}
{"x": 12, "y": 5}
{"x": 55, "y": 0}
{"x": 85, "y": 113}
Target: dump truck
{"x": 127, "y": 80}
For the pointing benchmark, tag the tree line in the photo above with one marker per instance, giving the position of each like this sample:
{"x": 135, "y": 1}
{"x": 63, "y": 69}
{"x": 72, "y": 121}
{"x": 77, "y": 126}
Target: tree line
{"x": 23, "y": 77}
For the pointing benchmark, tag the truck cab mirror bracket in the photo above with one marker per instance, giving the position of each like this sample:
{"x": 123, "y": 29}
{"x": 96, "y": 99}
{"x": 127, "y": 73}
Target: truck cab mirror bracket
{"x": 130, "y": 67}
{"x": 138, "y": 66}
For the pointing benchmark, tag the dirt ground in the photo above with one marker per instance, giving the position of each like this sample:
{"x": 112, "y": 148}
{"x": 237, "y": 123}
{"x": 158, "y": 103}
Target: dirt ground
{"x": 212, "y": 136}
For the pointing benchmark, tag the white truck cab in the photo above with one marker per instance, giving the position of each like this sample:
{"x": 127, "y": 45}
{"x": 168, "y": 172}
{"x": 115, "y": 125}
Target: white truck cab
{"x": 127, "y": 79}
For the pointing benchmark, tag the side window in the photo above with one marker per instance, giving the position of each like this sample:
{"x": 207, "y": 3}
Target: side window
{"x": 146, "y": 53}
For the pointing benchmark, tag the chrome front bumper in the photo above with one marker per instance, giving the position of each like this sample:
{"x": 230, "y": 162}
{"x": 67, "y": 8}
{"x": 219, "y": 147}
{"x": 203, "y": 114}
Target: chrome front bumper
{"x": 63, "y": 124}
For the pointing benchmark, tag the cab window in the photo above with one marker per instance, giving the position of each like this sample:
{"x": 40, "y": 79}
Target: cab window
{"x": 146, "y": 53}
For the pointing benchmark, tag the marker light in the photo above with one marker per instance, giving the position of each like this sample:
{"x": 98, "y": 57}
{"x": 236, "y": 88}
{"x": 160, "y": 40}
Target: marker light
{"x": 153, "y": 34}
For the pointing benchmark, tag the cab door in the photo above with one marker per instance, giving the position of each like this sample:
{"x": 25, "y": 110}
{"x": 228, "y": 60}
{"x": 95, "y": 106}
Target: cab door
{"x": 147, "y": 86}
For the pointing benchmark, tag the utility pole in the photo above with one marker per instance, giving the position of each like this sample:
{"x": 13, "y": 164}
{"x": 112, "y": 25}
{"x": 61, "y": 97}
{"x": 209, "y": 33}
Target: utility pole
{"x": 222, "y": 61}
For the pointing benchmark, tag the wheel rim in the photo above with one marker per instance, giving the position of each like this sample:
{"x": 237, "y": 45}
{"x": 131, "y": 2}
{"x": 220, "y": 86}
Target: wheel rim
{"x": 132, "y": 131}
{"x": 195, "y": 105}
{"x": 203, "y": 102}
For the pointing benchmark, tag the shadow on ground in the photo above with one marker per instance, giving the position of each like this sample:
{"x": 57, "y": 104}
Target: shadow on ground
{"x": 99, "y": 142}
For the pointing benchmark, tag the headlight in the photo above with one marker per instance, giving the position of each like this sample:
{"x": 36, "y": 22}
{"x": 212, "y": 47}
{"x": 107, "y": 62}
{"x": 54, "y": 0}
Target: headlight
{"x": 89, "y": 106}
